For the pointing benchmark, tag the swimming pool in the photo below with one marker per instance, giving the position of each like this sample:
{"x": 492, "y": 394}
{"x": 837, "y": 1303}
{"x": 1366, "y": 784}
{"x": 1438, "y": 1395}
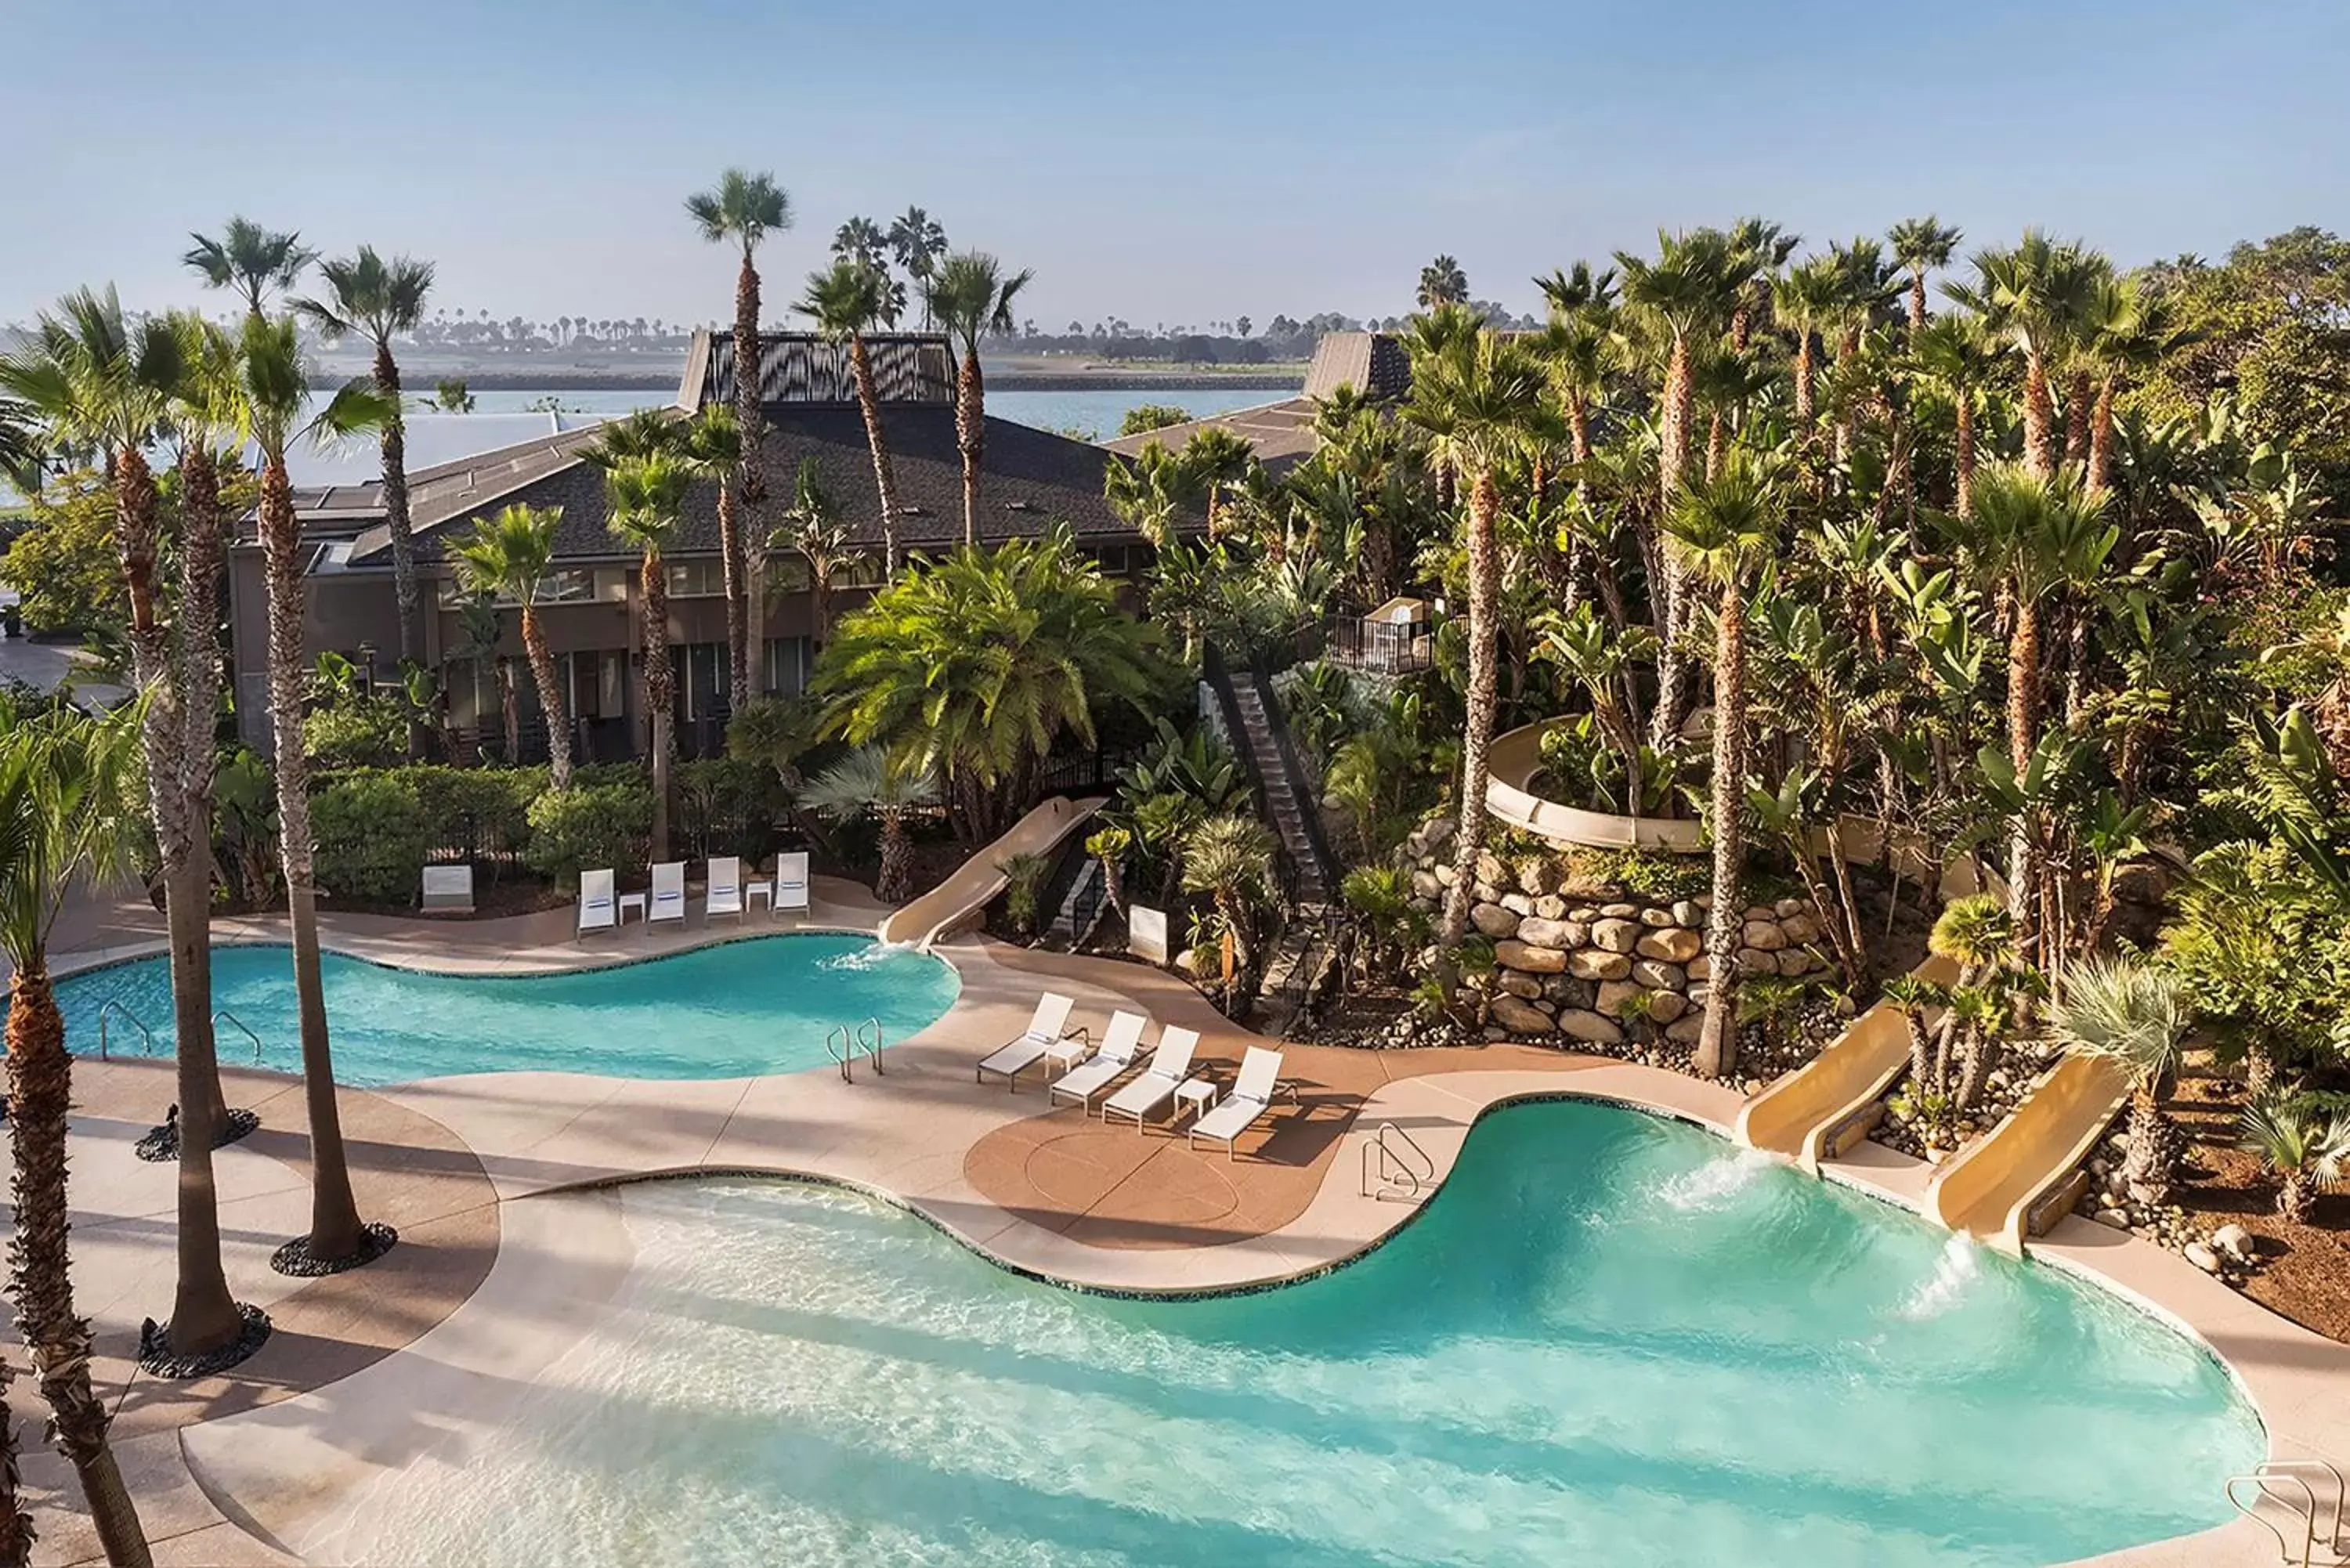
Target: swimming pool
{"x": 1610, "y": 1341}
{"x": 760, "y": 1005}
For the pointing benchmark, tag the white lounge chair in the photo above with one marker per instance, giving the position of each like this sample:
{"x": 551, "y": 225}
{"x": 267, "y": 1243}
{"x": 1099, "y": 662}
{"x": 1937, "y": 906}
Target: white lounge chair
{"x": 725, "y": 895}
{"x": 1170, "y": 1065}
{"x": 791, "y": 881}
{"x": 448, "y": 890}
{"x": 1250, "y": 1098}
{"x": 599, "y": 910}
{"x": 667, "y": 902}
{"x": 1048, "y": 1032}
{"x": 1120, "y": 1045}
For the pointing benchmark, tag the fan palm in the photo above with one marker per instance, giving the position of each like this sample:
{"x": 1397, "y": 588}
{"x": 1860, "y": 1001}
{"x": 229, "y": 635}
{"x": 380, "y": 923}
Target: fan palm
{"x": 917, "y": 242}
{"x": 366, "y": 294}
{"x": 969, "y": 296}
{"x": 21, "y": 454}
{"x": 2131, "y": 330}
{"x": 1758, "y": 249}
{"x": 2033, "y": 295}
{"x": 870, "y": 780}
{"x": 1230, "y": 859}
{"x": 2308, "y": 1151}
{"x": 1442, "y": 282}
{"x": 644, "y": 501}
{"x": 712, "y": 444}
{"x": 68, "y": 813}
{"x": 846, "y": 303}
{"x": 814, "y": 531}
{"x": 744, "y": 209}
{"x": 1721, "y": 530}
{"x": 276, "y": 391}
{"x": 2134, "y": 1015}
{"x": 1805, "y": 301}
{"x": 1977, "y": 933}
{"x": 1921, "y": 246}
{"x": 250, "y": 259}
{"x": 508, "y": 555}
{"x": 1910, "y": 996}
{"x": 1961, "y": 354}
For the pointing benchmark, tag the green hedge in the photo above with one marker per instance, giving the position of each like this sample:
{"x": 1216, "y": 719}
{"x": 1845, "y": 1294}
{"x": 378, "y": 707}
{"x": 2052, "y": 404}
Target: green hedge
{"x": 587, "y": 826}
{"x": 725, "y": 806}
{"x": 371, "y": 835}
{"x": 361, "y": 733}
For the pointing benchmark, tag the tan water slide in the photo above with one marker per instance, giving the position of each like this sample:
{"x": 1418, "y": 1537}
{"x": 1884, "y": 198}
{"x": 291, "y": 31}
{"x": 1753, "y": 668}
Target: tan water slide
{"x": 1805, "y": 1113}
{"x": 967, "y": 891}
{"x": 1990, "y": 1188}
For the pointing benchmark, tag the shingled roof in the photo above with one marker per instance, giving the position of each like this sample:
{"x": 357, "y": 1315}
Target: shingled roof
{"x": 1281, "y": 433}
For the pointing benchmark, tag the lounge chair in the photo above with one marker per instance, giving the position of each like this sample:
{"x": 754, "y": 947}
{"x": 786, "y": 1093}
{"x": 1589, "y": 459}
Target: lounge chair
{"x": 599, "y": 909}
{"x": 1170, "y": 1065}
{"x": 667, "y": 902}
{"x": 725, "y": 895}
{"x": 1048, "y": 1032}
{"x": 1120, "y": 1045}
{"x": 1250, "y": 1098}
{"x": 448, "y": 890}
{"x": 791, "y": 882}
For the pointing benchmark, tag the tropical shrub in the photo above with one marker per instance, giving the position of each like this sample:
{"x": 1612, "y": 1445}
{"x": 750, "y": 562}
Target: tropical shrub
{"x": 590, "y": 827}
{"x": 2305, "y": 1146}
{"x": 244, "y": 827}
{"x": 372, "y": 837}
{"x": 1023, "y": 886}
{"x": 1144, "y": 417}
{"x": 357, "y": 732}
{"x": 728, "y": 805}
{"x": 484, "y": 811}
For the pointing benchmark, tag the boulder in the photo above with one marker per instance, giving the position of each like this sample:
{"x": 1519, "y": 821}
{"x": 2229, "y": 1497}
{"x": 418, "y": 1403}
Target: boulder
{"x": 1486, "y": 890}
{"x": 1517, "y": 985}
{"x": 1699, "y": 968}
{"x": 1620, "y": 911}
{"x": 2234, "y": 1241}
{"x": 1447, "y": 873}
{"x": 2116, "y": 1217}
{"x": 1583, "y": 913}
{"x": 1517, "y": 903}
{"x": 1799, "y": 929}
{"x": 1520, "y": 1017}
{"x": 2202, "y": 1257}
{"x": 1787, "y": 907}
{"x": 1493, "y": 920}
{"x": 1690, "y": 912}
{"x": 1653, "y": 917}
{"x": 1539, "y": 875}
{"x": 1760, "y": 912}
{"x": 1568, "y": 992}
{"x": 1673, "y": 944}
{"x": 1615, "y": 935}
{"x": 1436, "y": 833}
{"x": 1428, "y": 885}
{"x": 1594, "y": 963}
{"x": 1550, "y": 907}
{"x": 1493, "y": 868}
{"x": 1554, "y": 933}
{"x": 1658, "y": 976}
{"x": 1754, "y": 961}
{"x": 1667, "y": 1005}
{"x": 1591, "y": 1027}
{"x": 1685, "y": 1030}
{"x": 1512, "y": 953}
{"x": 1764, "y": 935}
{"x": 1613, "y": 994}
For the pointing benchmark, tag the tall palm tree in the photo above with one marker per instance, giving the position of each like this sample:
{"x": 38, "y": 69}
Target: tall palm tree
{"x": 69, "y": 809}
{"x": 2135, "y": 1015}
{"x": 869, "y": 780}
{"x": 1758, "y": 249}
{"x": 969, "y": 296}
{"x": 1804, "y": 301}
{"x": 711, "y": 442}
{"x": 2033, "y": 295}
{"x": 1478, "y": 399}
{"x": 276, "y": 387}
{"x": 845, "y": 302}
{"x": 814, "y": 531}
{"x": 745, "y": 209}
{"x": 1442, "y": 282}
{"x": 644, "y": 500}
{"x": 95, "y": 379}
{"x": 508, "y": 555}
{"x": 2131, "y": 331}
{"x": 2037, "y": 533}
{"x": 917, "y": 242}
{"x": 1921, "y": 246}
{"x": 1964, "y": 357}
{"x": 368, "y": 294}
{"x": 253, "y": 261}
{"x": 1722, "y": 530}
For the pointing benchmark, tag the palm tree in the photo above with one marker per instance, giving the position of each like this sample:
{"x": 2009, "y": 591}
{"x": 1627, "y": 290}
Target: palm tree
{"x": 845, "y": 302}
{"x": 1976, "y": 933}
{"x": 2309, "y": 1151}
{"x": 1479, "y": 399}
{"x": 21, "y": 454}
{"x": 1910, "y": 996}
{"x": 1230, "y": 859}
{"x": 1920, "y": 245}
{"x": 711, "y": 442}
{"x": 2135, "y": 1015}
{"x": 368, "y": 294}
{"x": 744, "y": 209}
{"x": 508, "y": 555}
{"x": 1964, "y": 357}
{"x": 2131, "y": 330}
{"x": 2033, "y": 295}
{"x": 1216, "y": 458}
{"x": 644, "y": 500}
{"x": 1442, "y": 282}
{"x": 814, "y": 530}
{"x": 1805, "y": 301}
{"x": 870, "y": 780}
{"x": 250, "y": 259}
{"x": 2037, "y": 533}
{"x": 69, "y": 810}
{"x": 1758, "y": 249}
{"x": 95, "y": 379}
{"x": 1111, "y": 846}
{"x": 1722, "y": 530}
{"x": 968, "y": 296}
{"x": 917, "y": 242}
{"x": 275, "y": 388}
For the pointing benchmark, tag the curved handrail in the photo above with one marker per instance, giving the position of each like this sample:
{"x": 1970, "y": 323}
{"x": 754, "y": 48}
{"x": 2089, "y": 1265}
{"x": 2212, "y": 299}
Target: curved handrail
{"x": 868, "y": 1042}
{"x": 2259, "y": 1481}
{"x": 111, "y": 1006}
{"x": 841, "y": 1047}
{"x": 240, "y": 1024}
{"x": 1395, "y": 1172}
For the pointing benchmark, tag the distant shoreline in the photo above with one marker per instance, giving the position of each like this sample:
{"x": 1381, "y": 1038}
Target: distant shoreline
{"x": 420, "y": 384}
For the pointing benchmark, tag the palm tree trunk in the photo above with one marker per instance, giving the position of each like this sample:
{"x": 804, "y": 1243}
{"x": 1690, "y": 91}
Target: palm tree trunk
{"x": 738, "y": 604}
{"x": 885, "y": 478}
{"x": 970, "y": 436}
{"x": 660, "y": 690}
{"x": 2101, "y": 437}
{"x": 1966, "y": 455}
{"x": 510, "y": 703}
{"x": 749, "y": 413}
{"x": 1917, "y": 305}
{"x": 1921, "y": 1051}
{"x": 550, "y": 699}
{"x": 1716, "y": 1046}
{"x": 1806, "y": 398}
{"x": 15, "y": 1525}
{"x": 1477, "y": 735}
{"x": 2076, "y": 417}
{"x": 56, "y": 1338}
{"x": 895, "y": 882}
{"x": 335, "y": 1232}
{"x": 2023, "y": 723}
{"x": 2039, "y": 418}
{"x": 1672, "y": 459}
{"x": 394, "y": 443}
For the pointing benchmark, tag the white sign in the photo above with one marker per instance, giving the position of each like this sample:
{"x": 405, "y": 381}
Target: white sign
{"x": 1146, "y": 933}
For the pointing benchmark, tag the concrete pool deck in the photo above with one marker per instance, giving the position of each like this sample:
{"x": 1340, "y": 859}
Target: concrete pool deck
{"x": 510, "y": 1241}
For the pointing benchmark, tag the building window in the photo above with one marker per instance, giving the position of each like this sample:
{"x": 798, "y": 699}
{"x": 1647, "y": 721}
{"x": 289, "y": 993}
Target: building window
{"x": 786, "y": 666}
{"x": 788, "y": 573}
{"x": 704, "y": 578}
{"x": 860, "y": 571}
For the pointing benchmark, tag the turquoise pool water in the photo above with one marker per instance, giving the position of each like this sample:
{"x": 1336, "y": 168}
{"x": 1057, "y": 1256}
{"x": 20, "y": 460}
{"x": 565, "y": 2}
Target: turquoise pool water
{"x": 761, "y": 1006}
{"x": 1609, "y": 1342}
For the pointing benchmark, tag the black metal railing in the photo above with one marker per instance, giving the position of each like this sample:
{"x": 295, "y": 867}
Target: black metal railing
{"x": 1309, "y": 806}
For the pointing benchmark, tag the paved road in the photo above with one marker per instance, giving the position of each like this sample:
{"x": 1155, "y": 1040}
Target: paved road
{"x": 46, "y": 665}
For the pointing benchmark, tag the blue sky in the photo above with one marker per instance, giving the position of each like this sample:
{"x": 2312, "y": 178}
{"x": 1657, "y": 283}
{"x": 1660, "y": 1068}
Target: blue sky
{"x": 1166, "y": 164}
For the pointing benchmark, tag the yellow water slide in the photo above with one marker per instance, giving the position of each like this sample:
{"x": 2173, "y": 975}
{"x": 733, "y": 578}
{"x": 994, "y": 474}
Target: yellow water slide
{"x": 1990, "y": 1190}
{"x": 1804, "y": 1114}
{"x": 973, "y": 884}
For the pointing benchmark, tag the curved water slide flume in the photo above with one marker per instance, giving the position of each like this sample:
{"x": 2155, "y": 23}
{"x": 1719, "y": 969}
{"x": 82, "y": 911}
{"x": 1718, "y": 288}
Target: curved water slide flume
{"x": 1801, "y": 1115}
{"x": 970, "y": 888}
{"x": 1990, "y": 1188}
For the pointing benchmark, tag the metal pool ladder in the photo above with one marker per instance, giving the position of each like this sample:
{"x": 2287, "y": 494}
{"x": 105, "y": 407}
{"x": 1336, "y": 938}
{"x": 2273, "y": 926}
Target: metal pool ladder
{"x": 844, "y": 1046}
{"x": 241, "y": 1029}
{"x": 2285, "y": 1485}
{"x": 111, "y": 1006}
{"x": 1402, "y": 1168}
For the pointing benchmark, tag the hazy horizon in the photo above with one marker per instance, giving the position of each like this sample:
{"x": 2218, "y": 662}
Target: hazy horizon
{"x": 1250, "y": 162}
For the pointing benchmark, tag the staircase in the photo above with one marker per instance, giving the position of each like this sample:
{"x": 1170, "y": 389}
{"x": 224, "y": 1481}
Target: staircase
{"x": 1080, "y": 907}
{"x": 1282, "y": 808}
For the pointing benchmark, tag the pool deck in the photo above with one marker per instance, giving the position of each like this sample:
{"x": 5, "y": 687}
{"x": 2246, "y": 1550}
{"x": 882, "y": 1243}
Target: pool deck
{"x": 512, "y": 1239}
